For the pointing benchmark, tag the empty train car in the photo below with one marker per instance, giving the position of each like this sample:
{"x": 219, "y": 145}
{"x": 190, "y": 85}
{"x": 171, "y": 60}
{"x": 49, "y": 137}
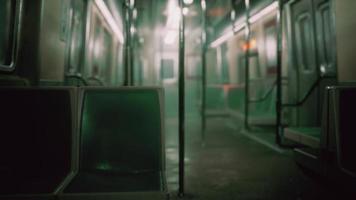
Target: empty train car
{"x": 177, "y": 99}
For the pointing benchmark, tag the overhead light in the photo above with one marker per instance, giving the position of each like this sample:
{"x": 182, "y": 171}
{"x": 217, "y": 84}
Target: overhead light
{"x": 188, "y": 2}
{"x": 132, "y": 30}
{"x": 239, "y": 26}
{"x": 263, "y": 12}
{"x": 110, "y": 19}
{"x": 130, "y": 3}
{"x": 203, "y": 5}
{"x": 222, "y": 39}
{"x": 185, "y": 11}
{"x": 134, "y": 13}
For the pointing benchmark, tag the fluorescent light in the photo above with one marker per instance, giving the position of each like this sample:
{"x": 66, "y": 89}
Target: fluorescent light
{"x": 222, "y": 39}
{"x": 185, "y": 11}
{"x": 239, "y": 27}
{"x": 263, "y": 12}
{"x": 132, "y": 30}
{"x": 203, "y": 5}
{"x": 134, "y": 13}
{"x": 188, "y": 2}
{"x": 110, "y": 19}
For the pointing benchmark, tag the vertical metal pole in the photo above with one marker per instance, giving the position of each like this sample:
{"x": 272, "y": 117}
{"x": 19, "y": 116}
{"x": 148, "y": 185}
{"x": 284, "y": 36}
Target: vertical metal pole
{"x": 247, "y": 63}
{"x": 127, "y": 52}
{"x": 132, "y": 49}
{"x": 279, "y": 74}
{"x": 181, "y": 102}
{"x": 203, "y": 61}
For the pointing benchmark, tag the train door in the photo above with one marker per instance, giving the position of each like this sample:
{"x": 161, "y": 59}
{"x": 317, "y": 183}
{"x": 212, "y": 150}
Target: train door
{"x": 304, "y": 62}
{"x": 76, "y": 41}
{"x": 325, "y": 45}
{"x": 326, "y": 52}
{"x": 7, "y": 32}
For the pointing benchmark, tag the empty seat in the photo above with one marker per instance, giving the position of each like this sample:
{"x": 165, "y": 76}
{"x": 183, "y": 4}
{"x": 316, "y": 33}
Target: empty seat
{"x": 9, "y": 80}
{"x": 260, "y": 113}
{"x": 121, "y": 145}
{"x": 36, "y": 140}
{"x": 309, "y": 136}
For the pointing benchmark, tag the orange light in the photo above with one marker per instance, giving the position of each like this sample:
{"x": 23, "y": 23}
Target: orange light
{"x": 245, "y": 46}
{"x": 251, "y": 45}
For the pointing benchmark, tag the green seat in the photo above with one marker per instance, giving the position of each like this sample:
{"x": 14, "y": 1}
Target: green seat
{"x": 260, "y": 113}
{"x": 121, "y": 144}
{"x": 236, "y": 99}
{"x": 309, "y": 136}
{"x": 9, "y": 80}
{"x": 264, "y": 112}
{"x": 37, "y": 127}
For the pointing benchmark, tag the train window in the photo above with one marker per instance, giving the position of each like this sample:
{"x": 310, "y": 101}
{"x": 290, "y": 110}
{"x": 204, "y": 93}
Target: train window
{"x": 118, "y": 64}
{"x": 224, "y": 64}
{"x": 107, "y": 56}
{"x": 304, "y": 42}
{"x": 7, "y": 33}
{"x": 325, "y": 43}
{"x": 254, "y": 66}
{"x": 97, "y": 50}
{"x": 270, "y": 42}
{"x": 241, "y": 68}
{"x": 77, "y": 37}
{"x": 326, "y": 30}
{"x": 167, "y": 69}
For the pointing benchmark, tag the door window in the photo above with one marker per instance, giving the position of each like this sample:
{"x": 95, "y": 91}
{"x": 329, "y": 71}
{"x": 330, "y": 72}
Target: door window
{"x": 7, "y": 33}
{"x": 304, "y": 42}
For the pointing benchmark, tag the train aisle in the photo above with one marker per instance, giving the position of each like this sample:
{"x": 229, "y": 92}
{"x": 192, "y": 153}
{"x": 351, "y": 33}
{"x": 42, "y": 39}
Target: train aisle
{"x": 233, "y": 166}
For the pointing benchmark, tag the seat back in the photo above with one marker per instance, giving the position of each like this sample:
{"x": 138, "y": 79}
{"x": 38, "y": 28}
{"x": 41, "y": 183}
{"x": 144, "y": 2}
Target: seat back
{"x": 36, "y": 139}
{"x": 121, "y": 130}
{"x": 344, "y": 100}
{"x": 236, "y": 99}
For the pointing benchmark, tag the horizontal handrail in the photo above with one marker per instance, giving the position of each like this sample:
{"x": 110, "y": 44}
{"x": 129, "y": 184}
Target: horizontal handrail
{"x": 78, "y": 77}
{"x": 101, "y": 83}
{"x": 310, "y": 91}
{"x": 265, "y": 96}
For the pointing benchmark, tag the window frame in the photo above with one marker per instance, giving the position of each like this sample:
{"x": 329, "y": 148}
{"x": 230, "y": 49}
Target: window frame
{"x": 16, "y": 29}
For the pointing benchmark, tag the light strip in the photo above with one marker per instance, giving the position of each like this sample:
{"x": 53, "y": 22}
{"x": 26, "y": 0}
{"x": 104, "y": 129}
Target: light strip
{"x": 240, "y": 25}
{"x": 110, "y": 19}
{"x": 203, "y": 5}
{"x": 263, "y": 12}
{"x": 222, "y": 39}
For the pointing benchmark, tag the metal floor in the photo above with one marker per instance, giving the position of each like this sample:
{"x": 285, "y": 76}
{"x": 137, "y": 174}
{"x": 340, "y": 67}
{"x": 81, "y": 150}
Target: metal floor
{"x": 232, "y": 165}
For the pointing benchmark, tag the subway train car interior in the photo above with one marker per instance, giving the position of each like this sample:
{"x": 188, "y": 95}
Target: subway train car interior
{"x": 177, "y": 99}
